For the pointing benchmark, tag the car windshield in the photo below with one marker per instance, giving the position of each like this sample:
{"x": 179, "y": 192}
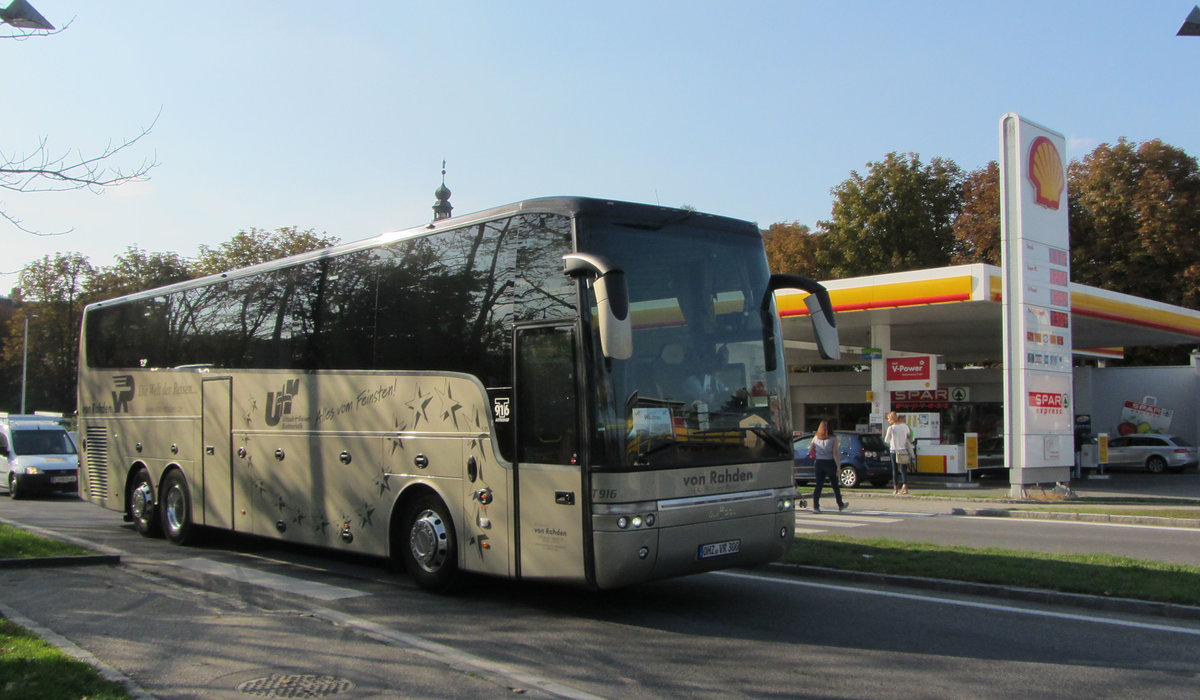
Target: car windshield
{"x": 42, "y": 442}
{"x": 1180, "y": 442}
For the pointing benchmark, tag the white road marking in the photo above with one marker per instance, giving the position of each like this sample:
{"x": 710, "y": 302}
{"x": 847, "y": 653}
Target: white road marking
{"x": 901, "y": 513}
{"x": 832, "y": 517}
{"x": 816, "y": 523}
{"x": 1077, "y": 617}
{"x": 286, "y": 584}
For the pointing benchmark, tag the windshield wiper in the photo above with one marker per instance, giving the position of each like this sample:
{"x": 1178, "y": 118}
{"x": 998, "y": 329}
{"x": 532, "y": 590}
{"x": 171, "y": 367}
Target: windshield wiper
{"x": 769, "y": 436}
{"x": 641, "y": 461}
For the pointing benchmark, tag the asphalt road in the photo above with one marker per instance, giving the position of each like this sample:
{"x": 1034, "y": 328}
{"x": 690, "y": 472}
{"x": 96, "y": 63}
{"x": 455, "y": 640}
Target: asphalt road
{"x": 235, "y": 618}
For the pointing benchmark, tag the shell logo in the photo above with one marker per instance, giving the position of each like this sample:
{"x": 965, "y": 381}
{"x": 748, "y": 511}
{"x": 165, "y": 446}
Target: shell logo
{"x": 1046, "y": 172}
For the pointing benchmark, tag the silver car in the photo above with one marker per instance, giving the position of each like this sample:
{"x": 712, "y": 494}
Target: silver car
{"x": 1158, "y": 453}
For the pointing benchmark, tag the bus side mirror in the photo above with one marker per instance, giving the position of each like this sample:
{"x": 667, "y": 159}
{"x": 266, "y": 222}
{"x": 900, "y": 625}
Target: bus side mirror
{"x": 820, "y": 310}
{"x": 612, "y": 302}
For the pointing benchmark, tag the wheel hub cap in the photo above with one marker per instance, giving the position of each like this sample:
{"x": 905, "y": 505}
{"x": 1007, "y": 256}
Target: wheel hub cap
{"x": 142, "y": 499}
{"x": 428, "y": 541}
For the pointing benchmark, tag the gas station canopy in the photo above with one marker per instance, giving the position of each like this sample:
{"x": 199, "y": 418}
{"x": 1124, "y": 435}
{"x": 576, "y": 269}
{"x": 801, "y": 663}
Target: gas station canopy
{"x": 956, "y": 313}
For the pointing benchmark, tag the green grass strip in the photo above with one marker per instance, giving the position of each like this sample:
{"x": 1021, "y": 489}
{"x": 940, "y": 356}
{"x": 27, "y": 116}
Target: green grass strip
{"x": 1091, "y": 574}
{"x": 30, "y": 669}
{"x": 16, "y": 543}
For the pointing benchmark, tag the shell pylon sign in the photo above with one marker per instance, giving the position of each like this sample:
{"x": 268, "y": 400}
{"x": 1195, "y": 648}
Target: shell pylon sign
{"x": 1035, "y": 257}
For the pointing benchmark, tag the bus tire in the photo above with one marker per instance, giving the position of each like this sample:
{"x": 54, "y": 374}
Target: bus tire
{"x": 429, "y": 548}
{"x": 176, "y": 509}
{"x": 140, "y": 505}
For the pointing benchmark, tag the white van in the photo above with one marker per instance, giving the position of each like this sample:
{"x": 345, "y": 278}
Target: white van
{"x": 37, "y": 455}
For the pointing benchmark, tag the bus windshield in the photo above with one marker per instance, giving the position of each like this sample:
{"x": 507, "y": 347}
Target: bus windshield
{"x": 706, "y": 382}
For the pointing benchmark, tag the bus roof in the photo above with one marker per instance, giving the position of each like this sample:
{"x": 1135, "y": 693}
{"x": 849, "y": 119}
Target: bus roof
{"x": 568, "y": 206}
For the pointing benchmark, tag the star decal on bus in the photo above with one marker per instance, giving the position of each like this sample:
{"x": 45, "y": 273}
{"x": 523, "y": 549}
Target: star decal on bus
{"x": 418, "y": 406}
{"x": 382, "y": 479}
{"x": 450, "y": 407}
{"x": 398, "y": 438}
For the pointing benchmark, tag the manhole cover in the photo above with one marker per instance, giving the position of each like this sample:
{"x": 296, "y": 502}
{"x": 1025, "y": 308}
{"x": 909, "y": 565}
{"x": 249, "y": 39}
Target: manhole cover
{"x": 295, "y": 685}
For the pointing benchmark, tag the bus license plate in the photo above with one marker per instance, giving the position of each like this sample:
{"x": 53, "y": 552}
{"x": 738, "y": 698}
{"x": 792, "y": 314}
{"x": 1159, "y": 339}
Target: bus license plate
{"x": 62, "y": 479}
{"x": 718, "y": 549}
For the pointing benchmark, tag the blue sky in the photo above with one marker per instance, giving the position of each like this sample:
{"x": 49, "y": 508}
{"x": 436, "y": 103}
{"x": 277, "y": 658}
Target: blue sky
{"x": 337, "y": 116}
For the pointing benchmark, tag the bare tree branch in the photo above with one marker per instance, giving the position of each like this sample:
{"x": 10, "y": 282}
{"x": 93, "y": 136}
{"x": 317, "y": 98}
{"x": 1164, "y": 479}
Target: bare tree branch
{"x": 22, "y": 36}
{"x": 39, "y": 171}
{"x": 42, "y": 170}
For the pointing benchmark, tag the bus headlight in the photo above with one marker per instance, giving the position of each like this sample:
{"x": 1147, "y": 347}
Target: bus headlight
{"x": 636, "y": 515}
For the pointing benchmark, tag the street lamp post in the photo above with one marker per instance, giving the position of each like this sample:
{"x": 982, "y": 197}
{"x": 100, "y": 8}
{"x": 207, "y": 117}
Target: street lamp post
{"x": 25, "y": 362}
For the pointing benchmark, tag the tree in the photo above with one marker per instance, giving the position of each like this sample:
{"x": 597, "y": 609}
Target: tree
{"x": 136, "y": 270}
{"x": 1135, "y": 221}
{"x": 897, "y": 217}
{"x": 52, "y": 300}
{"x": 1135, "y": 227}
{"x": 977, "y": 228}
{"x": 258, "y": 246}
{"x": 794, "y": 249}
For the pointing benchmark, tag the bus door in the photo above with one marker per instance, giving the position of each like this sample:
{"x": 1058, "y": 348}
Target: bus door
{"x": 550, "y": 478}
{"x": 216, "y": 482}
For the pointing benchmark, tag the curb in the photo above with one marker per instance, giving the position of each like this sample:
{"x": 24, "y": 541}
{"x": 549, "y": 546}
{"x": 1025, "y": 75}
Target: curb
{"x": 1079, "y": 517}
{"x": 1029, "y": 595}
{"x": 107, "y": 557}
{"x": 49, "y": 562}
{"x": 69, "y": 648}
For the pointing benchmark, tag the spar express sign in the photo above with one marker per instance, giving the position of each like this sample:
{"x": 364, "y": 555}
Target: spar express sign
{"x": 1049, "y": 403}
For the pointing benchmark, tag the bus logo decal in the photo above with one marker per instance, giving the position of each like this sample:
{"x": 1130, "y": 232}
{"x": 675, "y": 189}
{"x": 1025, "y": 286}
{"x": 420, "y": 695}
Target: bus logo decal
{"x": 123, "y": 394}
{"x": 501, "y": 409}
{"x": 280, "y": 405}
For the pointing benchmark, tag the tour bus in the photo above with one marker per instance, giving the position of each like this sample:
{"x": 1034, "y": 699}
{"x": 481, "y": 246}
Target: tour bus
{"x": 563, "y": 389}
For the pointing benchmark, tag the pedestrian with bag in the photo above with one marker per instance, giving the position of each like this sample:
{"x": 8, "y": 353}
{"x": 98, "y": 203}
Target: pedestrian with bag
{"x": 824, "y": 451}
{"x": 899, "y": 440}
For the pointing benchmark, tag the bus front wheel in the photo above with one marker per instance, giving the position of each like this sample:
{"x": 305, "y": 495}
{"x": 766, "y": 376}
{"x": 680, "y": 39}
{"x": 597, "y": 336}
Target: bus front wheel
{"x": 176, "y": 509}
{"x": 429, "y": 548}
{"x": 140, "y": 504}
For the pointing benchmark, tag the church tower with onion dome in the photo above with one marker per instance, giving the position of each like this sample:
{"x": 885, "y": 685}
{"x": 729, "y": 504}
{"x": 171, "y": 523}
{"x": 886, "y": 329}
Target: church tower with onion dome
{"x": 442, "y": 209}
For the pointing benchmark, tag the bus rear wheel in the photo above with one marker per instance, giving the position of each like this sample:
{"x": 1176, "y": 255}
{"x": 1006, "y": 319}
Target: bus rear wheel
{"x": 176, "y": 509}
{"x": 140, "y": 505}
{"x": 429, "y": 548}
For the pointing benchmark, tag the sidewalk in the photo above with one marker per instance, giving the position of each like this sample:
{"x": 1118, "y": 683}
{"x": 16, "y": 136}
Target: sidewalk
{"x": 990, "y": 497}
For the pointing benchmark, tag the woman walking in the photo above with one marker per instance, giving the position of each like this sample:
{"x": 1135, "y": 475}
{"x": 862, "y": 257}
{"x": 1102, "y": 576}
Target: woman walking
{"x": 825, "y": 452}
{"x": 899, "y": 439}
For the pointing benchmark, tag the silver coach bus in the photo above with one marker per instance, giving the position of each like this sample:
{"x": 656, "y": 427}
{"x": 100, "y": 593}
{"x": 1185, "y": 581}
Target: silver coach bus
{"x": 562, "y": 389}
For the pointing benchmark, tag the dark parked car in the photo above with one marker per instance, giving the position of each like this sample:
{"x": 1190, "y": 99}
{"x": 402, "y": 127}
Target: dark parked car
{"x": 1158, "y": 453}
{"x": 864, "y": 457}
